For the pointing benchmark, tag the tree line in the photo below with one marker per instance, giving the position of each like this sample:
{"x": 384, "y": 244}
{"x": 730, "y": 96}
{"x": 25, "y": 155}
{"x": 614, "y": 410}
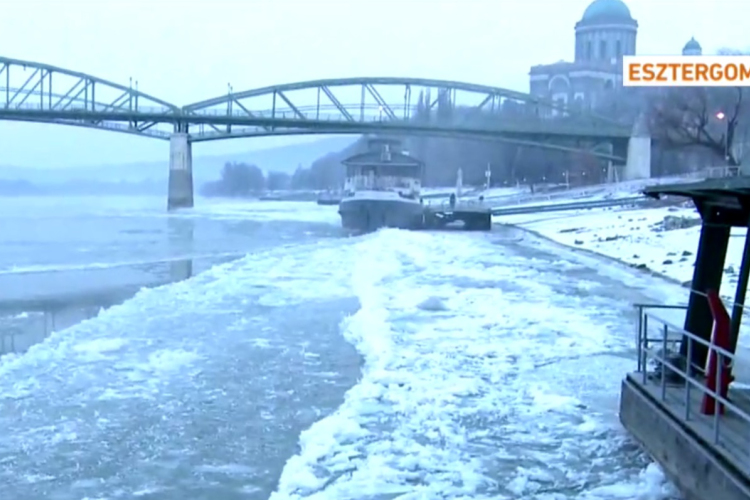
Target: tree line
{"x": 687, "y": 135}
{"x": 508, "y": 163}
{"x": 241, "y": 180}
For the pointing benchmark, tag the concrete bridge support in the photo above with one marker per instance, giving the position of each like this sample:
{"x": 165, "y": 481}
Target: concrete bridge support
{"x": 180, "y": 194}
{"x": 638, "y": 165}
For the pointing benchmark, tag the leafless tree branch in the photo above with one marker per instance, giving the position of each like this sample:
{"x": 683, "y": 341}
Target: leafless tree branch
{"x": 707, "y": 117}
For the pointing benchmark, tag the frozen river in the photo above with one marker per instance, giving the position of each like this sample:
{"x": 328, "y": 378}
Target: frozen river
{"x": 304, "y": 364}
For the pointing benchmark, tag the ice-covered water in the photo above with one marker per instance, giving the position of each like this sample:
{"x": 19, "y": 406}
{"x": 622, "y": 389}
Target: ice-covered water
{"x": 63, "y": 258}
{"x": 490, "y": 368}
{"x": 120, "y": 239}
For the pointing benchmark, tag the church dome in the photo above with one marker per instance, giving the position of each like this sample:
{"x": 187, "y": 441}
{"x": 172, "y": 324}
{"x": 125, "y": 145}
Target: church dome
{"x": 692, "y": 46}
{"x": 607, "y": 11}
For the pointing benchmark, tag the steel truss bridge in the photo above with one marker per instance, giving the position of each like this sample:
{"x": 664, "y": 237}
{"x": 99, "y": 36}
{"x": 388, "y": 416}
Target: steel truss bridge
{"x": 35, "y": 92}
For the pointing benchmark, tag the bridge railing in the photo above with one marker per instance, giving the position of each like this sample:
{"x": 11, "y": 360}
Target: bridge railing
{"x": 669, "y": 374}
{"x": 370, "y": 112}
{"x": 521, "y": 123}
{"x": 312, "y": 112}
{"x": 78, "y": 106}
{"x": 122, "y": 127}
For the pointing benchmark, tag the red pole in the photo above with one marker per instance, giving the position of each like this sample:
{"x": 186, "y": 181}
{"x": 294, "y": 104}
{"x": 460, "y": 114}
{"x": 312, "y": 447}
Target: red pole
{"x": 719, "y": 338}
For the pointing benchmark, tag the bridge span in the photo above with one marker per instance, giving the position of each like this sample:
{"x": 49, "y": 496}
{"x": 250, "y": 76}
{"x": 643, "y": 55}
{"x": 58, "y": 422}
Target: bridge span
{"x": 35, "y": 92}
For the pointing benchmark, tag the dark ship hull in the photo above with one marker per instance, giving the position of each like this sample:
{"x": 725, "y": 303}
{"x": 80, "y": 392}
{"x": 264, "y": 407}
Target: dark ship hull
{"x": 364, "y": 214}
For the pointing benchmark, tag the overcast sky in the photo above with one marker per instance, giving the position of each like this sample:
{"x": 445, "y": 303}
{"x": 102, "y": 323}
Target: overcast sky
{"x": 184, "y": 51}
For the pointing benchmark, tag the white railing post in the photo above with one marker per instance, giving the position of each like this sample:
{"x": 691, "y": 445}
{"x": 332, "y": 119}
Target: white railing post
{"x": 689, "y": 373}
{"x": 645, "y": 349}
{"x": 664, "y": 357}
{"x": 718, "y": 399}
{"x": 639, "y": 337}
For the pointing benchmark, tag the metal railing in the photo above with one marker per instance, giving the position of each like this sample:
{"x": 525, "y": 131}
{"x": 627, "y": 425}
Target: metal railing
{"x": 720, "y": 172}
{"x": 334, "y": 114}
{"x": 471, "y": 204}
{"x": 580, "y": 205}
{"x": 681, "y": 382}
{"x": 611, "y": 188}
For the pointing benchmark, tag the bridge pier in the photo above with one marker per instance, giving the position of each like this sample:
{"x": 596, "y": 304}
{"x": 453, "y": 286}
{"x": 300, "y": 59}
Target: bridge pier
{"x": 180, "y": 193}
{"x": 638, "y": 164}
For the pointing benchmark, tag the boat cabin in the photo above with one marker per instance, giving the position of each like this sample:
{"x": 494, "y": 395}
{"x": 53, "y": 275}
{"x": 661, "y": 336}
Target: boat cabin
{"x": 384, "y": 168}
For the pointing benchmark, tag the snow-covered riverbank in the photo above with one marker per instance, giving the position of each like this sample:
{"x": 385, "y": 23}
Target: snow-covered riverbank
{"x": 663, "y": 240}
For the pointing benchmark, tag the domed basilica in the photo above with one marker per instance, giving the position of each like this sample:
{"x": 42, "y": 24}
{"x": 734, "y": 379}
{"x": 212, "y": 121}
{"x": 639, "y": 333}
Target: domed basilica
{"x": 605, "y": 33}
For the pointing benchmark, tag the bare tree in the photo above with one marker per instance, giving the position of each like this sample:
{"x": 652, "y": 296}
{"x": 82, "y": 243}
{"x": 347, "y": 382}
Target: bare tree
{"x": 705, "y": 117}
{"x": 276, "y": 181}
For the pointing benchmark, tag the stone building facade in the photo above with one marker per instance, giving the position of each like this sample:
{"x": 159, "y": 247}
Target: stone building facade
{"x": 606, "y": 32}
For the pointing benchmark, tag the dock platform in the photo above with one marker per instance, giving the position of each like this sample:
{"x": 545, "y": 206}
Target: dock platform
{"x": 468, "y": 216}
{"x": 705, "y": 455}
{"x": 688, "y": 402}
{"x": 701, "y": 464}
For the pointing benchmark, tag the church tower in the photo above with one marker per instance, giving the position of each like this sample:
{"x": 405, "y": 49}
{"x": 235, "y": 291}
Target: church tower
{"x": 605, "y": 33}
{"x": 692, "y": 48}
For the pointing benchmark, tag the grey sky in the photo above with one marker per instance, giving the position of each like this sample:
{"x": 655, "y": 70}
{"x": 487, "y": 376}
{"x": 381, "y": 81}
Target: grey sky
{"x": 184, "y": 51}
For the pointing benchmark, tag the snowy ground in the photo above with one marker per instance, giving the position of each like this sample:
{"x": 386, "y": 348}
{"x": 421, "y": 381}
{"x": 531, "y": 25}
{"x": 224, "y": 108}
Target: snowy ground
{"x": 663, "y": 240}
{"x": 659, "y": 240}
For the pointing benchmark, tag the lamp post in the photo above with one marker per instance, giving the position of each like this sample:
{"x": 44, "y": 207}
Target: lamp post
{"x": 722, "y": 117}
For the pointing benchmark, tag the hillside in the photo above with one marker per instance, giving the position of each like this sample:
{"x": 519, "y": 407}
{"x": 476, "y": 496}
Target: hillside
{"x": 205, "y": 168}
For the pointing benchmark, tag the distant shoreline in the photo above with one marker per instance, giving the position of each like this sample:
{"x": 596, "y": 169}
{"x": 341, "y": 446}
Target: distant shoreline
{"x": 22, "y": 187}
{"x": 26, "y": 189}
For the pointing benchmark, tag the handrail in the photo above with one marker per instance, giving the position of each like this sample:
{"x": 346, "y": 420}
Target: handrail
{"x": 445, "y": 205}
{"x": 640, "y": 305}
{"x": 727, "y": 300}
{"x": 731, "y": 302}
{"x": 681, "y": 331}
{"x": 666, "y": 364}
